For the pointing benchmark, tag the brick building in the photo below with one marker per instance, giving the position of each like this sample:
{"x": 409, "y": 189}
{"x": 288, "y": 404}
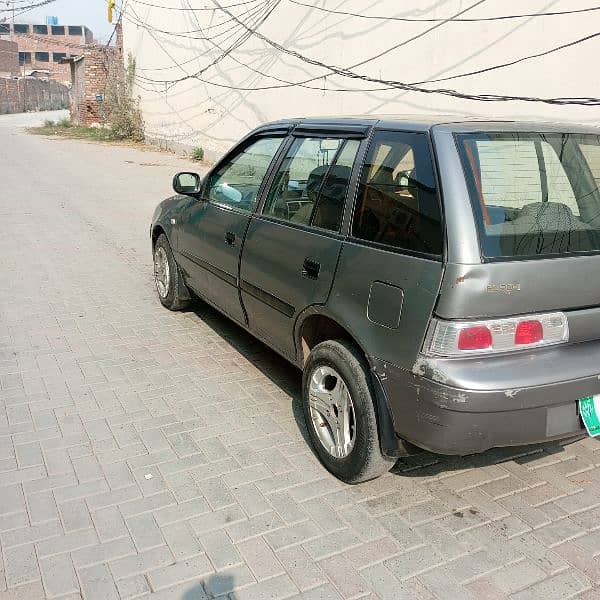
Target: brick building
{"x": 9, "y": 58}
{"x": 44, "y": 47}
{"x": 91, "y": 74}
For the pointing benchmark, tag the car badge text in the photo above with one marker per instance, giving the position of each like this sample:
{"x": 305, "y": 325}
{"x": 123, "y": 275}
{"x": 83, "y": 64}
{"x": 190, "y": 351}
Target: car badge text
{"x": 504, "y": 288}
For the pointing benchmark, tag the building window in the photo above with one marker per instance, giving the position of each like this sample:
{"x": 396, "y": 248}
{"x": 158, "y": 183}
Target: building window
{"x": 58, "y": 30}
{"x": 24, "y": 58}
{"x": 40, "y": 29}
{"x": 58, "y": 56}
{"x": 4, "y": 29}
{"x": 75, "y": 30}
{"x": 42, "y": 57}
{"x": 21, "y": 28}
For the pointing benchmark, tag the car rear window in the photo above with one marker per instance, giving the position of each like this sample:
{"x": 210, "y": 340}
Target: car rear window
{"x": 533, "y": 194}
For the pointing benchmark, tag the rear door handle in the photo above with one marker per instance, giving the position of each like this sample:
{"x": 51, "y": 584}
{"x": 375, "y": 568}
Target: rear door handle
{"x": 310, "y": 269}
{"x": 230, "y": 238}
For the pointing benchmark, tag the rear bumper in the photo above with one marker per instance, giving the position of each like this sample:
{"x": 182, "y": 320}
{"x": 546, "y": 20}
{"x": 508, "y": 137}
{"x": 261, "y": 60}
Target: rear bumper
{"x": 430, "y": 410}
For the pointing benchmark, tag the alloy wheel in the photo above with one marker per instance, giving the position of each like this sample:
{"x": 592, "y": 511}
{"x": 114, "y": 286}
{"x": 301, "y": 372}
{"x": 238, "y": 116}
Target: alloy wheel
{"x": 332, "y": 411}
{"x": 162, "y": 274}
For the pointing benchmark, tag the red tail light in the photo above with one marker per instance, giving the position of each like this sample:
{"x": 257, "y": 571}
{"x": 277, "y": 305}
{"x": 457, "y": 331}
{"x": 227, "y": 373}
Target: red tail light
{"x": 475, "y": 338}
{"x": 529, "y": 332}
{"x": 492, "y": 336}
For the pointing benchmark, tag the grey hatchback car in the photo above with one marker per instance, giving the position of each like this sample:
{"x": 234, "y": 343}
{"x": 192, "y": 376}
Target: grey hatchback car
{"x": 435, "y": 280}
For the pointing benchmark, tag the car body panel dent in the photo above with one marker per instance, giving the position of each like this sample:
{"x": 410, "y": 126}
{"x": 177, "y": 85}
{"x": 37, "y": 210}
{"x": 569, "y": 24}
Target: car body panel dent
{"x": 519, "y": 287}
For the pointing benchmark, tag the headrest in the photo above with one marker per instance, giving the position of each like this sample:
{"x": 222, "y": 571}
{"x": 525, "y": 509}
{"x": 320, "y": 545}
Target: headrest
{"x": 547, "y": 216}
{"x": 547, "y": 210}
{"x": 316, "y": 176}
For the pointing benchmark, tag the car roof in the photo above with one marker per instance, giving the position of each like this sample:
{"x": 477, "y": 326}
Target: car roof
{"x": 447, "y": 122}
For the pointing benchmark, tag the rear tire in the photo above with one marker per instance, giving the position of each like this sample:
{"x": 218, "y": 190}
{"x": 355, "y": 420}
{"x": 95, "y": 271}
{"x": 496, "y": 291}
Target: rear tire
{"x": 167, "y": 276}
{"x": 343, "y": 431}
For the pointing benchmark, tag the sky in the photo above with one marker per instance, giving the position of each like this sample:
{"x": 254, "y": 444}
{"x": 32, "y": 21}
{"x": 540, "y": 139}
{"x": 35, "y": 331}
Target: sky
{"x": 71, "y": 12}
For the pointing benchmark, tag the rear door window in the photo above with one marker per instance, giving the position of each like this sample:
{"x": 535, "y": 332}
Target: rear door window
{"x": 398, "y": 203}
{"x": 311, "y": 184}
{"x": 533, "y": 193}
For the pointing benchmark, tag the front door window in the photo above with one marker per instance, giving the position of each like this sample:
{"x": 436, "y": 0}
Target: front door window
{"x": 236, "y": 182}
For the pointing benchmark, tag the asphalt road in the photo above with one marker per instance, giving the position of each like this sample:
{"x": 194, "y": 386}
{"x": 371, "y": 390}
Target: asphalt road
{"x": 145, "y": 453}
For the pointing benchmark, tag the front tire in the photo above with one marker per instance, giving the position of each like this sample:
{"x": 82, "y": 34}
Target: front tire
{"x": 167, "y": 276}
{"x": 337, "y": 401}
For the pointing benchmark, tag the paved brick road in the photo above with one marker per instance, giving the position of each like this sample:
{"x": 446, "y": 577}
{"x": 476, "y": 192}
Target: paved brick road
{"x": 145, "y": 452}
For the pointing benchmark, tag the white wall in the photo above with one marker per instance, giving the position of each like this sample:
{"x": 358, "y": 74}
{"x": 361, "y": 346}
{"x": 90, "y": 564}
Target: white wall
{"x": 201, "y": 113}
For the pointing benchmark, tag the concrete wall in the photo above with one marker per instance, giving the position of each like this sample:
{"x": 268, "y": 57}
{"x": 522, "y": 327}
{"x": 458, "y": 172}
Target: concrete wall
{"x": 206, "y": 112}
{"x": 29, "y": 95}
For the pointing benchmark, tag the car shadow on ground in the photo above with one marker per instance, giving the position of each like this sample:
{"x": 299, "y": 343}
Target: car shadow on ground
{"x": 287, "y": 377}
{"x": 217, "y": 585}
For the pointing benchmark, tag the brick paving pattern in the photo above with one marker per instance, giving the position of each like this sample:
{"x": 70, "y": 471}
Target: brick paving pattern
{"x": 149, "y": 454}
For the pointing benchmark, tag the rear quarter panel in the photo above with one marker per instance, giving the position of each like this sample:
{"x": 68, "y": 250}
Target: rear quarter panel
{"x": 417, "y": 279}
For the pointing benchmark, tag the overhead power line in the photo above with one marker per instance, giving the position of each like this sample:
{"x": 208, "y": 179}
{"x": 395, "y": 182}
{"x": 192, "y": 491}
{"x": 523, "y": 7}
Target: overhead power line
{"x": 188, "y": 34}
{"x": 249, "y": 67}
{"x": 190, "y": 9}
{"x": 27, "y": 7}
{"x": 236, "y": 19}
{"x": 414, "y": 37}
{"x": 261, "y": 13}
{"x": 456, "y": 20}
{"x": 512, "y": 62}
{"x": 348, "y": 73}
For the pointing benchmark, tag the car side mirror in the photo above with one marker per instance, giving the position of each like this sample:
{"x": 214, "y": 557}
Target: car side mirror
{"x": 187, "y": 184}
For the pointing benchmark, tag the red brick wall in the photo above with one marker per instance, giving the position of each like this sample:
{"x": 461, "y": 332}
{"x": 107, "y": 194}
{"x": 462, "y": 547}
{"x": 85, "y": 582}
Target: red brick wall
{"x": 24, "y": 95}
{"x": 90, "y": 76}
{"x": 9, "y": 58}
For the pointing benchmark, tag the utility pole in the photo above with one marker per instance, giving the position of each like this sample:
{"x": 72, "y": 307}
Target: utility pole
{"x": 13, "y": 18}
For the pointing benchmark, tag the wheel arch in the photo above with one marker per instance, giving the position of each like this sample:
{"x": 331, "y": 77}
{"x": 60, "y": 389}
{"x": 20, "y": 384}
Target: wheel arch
{"x": 316, "y": 325}
{"x": 157, "y": 230}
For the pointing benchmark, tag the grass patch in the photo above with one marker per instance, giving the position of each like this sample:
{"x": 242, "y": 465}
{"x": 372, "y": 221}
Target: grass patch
{"x": 65, "y": 128}
{"x": 198, "y": 154}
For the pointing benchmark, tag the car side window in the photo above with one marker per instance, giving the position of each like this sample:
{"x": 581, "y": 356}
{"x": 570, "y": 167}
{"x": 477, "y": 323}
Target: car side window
{"x": 398, "y": 202}
{"x": 237, "y": 181}
{"x": 329, "y": 207}
{"x": 311, "y": 183}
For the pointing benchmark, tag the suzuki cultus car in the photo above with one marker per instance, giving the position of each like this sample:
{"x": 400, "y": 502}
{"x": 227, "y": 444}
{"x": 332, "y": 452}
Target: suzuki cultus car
{"x": 437, "y": 282}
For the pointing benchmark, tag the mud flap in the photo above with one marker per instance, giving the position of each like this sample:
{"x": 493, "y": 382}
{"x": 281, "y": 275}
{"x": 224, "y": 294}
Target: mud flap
{"x": 182, "y": 289}
{"x": 391, "y": 445}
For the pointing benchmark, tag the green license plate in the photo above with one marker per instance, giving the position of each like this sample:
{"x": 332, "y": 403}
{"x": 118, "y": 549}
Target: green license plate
{"x": 589, "y": 409}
